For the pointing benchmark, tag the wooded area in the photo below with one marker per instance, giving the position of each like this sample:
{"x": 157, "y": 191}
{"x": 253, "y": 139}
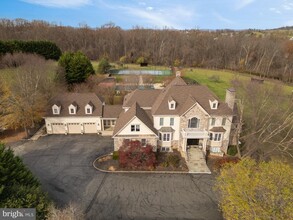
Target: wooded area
{"x": 266, "y": 55}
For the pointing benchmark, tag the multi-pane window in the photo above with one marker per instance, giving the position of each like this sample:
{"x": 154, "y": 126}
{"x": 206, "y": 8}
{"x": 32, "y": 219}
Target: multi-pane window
{"x": 88, "y": 111}
{"x": 213, "y": 122}
{"x": 72, "y": 111}
{"x": 165, "y": 149}
{"x": 166, "y": 137}
{"x": 193, "y": 123}
{"x": 215, "y": 136}
{"x": 171, "y": 121}
{"x": 135, "y": 128}
{"x": 55, "y": 111}
{"x": 161, "y": 121}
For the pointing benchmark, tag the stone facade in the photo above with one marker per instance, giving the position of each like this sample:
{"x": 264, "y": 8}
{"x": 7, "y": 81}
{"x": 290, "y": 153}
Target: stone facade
{"x": 118, "y": 141}
{"x": 197, "y": 112}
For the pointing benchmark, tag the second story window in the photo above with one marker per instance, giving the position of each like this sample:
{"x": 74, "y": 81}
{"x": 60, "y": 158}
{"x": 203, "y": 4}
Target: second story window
{"x": 89, "y": 109}
{"x": 171, "y": 121}
{"x": 161, "y": 121}
{"x": 135, "y": 128}
{"x": 213, "y": 121}
{"x": 223, "y": 121}
{"x": 56, "y": 109}
{"x": 72, "y": 109}
{"x": 193, "y": 123}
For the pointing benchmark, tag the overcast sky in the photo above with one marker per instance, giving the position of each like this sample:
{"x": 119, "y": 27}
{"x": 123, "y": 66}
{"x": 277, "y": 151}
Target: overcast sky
{"x": 178, "y": 14}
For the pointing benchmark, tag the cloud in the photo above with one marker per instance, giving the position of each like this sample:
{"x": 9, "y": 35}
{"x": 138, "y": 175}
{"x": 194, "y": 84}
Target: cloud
{"x": 275, "y": 10}
{"x": 161, "y": 16}
{"x": 59, "y": 3}
{"x": 149, "y": 8}
{"x": 287, "y": 5}
{"x": 243, "y": 3}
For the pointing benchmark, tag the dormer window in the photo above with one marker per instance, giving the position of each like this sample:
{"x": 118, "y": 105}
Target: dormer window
{"x": 56, "y": 109}
{"x": 89, "y": 109}
{"x": 214, "y": 104}
{"x": 171, "y": 103}
{"x": 72, "y": 109}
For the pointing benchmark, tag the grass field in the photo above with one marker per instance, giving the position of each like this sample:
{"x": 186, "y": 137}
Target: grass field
{"x": 219, "y": 80}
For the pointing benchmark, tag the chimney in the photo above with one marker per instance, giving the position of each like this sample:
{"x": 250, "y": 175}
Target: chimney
{"x": 230, "y": 97}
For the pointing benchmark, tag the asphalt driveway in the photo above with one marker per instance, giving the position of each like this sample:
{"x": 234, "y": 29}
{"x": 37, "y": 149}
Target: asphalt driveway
{"x": 64, "y": 166}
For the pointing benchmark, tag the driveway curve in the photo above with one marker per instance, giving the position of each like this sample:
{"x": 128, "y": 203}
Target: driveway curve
{"x": 63, "y": 164}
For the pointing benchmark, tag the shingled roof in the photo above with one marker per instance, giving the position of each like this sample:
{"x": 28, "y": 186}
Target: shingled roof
{"x": 145, "y": 98}
{"x": 77, "y": 99}
{"x": 134, "y": 111}
{"x": 186, "y": 96}
{"x": 112, "y": 111}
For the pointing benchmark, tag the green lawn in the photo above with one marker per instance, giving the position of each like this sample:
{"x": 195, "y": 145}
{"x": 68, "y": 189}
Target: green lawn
{"x": 219, "y": 80}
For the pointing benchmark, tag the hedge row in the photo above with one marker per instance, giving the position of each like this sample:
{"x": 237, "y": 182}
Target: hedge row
{"x": 46, "y": 49}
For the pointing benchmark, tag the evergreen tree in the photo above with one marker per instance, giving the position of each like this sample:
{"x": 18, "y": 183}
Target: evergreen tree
{"x": 18, "y": 187}
{"x": 77, "y": 67}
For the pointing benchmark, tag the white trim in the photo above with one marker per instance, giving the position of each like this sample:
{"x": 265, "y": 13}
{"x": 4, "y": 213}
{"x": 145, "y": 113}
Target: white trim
{"x": 134, "y": 117}
{"x": 57, "y": 108}
{"x": 212, "y": 103}
{"x": 88, "y": 107}
{"x": 72, "y": 107}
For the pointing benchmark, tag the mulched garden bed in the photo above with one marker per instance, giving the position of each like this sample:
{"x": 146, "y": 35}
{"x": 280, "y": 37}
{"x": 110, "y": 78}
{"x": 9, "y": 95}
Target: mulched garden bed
{"x": 164, "y": 163}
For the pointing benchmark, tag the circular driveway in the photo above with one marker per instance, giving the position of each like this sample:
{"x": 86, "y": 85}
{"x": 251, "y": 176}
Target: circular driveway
{"x": 64, "y": 166}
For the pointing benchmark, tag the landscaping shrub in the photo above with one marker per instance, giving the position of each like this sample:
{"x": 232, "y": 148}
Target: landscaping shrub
{"x": 115, "y": 155}
{"x": 173, "y": 160}
{"x": 221, "y": 162}
{"x": 232, "y": 150}
{"x": 133, "y": 155}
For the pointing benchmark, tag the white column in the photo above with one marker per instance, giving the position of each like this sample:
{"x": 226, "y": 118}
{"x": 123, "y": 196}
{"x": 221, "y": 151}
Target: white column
{"x": 204, "y": 146}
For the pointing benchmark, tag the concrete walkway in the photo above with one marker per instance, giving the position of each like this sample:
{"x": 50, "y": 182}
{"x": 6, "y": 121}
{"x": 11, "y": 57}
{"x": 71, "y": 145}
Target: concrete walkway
{"x": 197, "y": 162}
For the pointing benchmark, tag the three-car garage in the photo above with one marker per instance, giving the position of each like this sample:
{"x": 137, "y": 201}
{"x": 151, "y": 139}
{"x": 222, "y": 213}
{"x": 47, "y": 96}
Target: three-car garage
{"x": 66, "y": 127}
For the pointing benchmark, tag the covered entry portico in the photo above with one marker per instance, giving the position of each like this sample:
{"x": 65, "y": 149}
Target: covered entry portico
{"x": 194, "y": 137}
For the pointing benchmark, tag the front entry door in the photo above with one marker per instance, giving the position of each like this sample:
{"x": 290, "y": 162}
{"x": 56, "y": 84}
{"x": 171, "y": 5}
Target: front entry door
{"x": 192, "y": 142}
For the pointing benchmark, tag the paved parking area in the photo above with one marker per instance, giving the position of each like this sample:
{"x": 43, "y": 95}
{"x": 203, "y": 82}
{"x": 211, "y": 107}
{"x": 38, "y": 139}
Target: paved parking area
{"x": 64, "y": 166}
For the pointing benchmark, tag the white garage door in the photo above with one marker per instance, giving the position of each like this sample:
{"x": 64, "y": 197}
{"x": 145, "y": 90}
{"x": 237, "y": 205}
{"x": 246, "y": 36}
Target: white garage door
{"x": 74, "y": 128}
{"x": 90, "y": 128}
{"x": 58, "y": 128}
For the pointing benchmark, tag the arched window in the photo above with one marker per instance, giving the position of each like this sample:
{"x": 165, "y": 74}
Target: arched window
{"x": 193, "y": 123}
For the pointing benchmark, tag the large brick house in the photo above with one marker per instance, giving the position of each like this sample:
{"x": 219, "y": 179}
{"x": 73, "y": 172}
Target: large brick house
{"x": 177, "y": 117}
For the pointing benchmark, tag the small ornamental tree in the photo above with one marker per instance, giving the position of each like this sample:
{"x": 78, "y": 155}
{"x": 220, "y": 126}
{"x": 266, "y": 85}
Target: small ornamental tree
{"x": 140, "y": 60}
{"x": 251, "y": 190}
{"x": 133, "y": 155}
{"x": 103, "y": 66}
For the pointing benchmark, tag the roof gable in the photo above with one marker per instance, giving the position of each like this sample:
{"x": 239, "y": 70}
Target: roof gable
{"x": 126, "y": 117}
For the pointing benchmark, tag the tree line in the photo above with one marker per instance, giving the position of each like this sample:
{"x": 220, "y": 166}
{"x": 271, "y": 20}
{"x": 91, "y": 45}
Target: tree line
{"x": 48, "y": 50}
{"x": 266, "y": 55}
